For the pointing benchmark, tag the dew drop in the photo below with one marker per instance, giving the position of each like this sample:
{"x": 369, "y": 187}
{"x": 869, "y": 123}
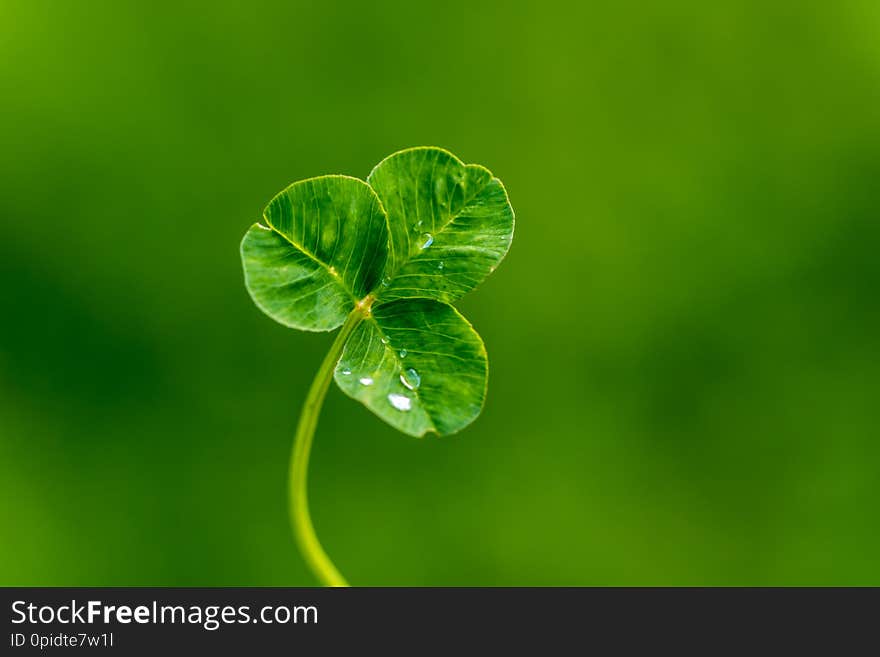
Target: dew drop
{"x": 411, "y": 379}
{"x": 403, "y": 353}
{"x": 427, "y": 240}
{"x": 345, "y": 370}
{"x": 384, "y": 340}
{"x": 400, "y": 402}
{"x": 386, "y": 281}
{"x": 366, "y": 381}
{"x": 440, "y": 265}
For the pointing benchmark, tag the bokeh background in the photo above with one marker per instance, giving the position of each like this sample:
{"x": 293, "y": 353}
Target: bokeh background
{"x": 684, "y": 340}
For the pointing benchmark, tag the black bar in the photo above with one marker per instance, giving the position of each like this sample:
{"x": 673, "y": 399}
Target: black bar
{"x": 542, "y": 620}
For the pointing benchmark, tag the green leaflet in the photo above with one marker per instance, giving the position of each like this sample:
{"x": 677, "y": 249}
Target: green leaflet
{"x": 417, "y": 364}
{"x": 323, "y": 249}
{"x": 424, "y": 230}
{"x": 449, "y": 224}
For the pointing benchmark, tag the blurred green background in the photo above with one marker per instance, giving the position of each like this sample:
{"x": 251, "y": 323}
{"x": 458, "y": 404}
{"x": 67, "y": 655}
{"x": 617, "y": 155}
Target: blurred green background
{"x": 684, "y": 340}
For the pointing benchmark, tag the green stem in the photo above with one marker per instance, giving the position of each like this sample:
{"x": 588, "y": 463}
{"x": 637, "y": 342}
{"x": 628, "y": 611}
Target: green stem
{"x": 300, "y": 520}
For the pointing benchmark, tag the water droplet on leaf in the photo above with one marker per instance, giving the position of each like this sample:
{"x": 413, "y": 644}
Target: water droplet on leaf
{"x": 427, "y": 240}
{"x": 440, "y": 265}
{"x": 346, "y": 371}
{"x": 403, "y": 353}
{"x": 400, "y": 402}
{"x": 366, "y": 381}
{"x": 411, "y": 379}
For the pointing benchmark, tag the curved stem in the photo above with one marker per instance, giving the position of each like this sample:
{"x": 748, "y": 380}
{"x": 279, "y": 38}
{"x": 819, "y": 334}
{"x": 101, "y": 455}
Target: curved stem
{"x": 300, "y": 520}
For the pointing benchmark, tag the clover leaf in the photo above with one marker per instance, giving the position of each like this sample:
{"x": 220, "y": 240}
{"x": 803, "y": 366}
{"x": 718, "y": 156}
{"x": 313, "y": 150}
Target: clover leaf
{"x": 383, "y": 259}
{"x": 322, "y": 249}
{"x": 449, "y": 224}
